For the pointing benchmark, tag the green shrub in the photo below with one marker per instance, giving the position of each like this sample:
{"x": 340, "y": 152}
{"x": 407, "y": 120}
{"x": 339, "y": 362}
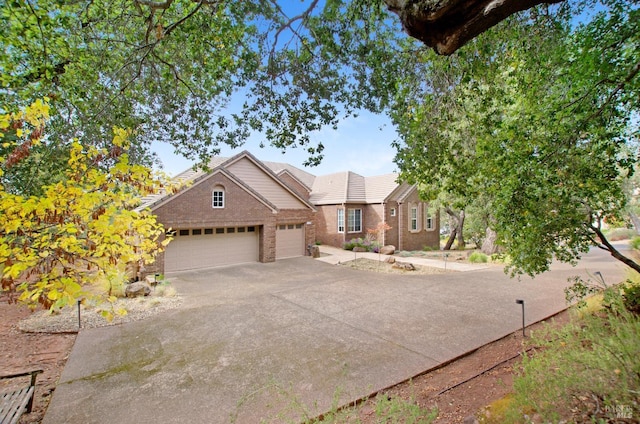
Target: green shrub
{"x": 635, "y": 243}
{"x": 478, "y": 258}
{"x": 631, "y": 297}
{"x": 500, "y": 258}
{"x": 586, "y": 371}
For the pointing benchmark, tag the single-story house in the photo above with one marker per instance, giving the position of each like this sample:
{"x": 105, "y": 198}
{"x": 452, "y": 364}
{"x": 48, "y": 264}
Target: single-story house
{"x": 244, "y": 210}
{"x": 350, "y": 205}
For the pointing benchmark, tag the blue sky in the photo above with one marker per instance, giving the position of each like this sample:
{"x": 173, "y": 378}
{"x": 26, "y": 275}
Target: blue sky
{"x": 361, "y": 145}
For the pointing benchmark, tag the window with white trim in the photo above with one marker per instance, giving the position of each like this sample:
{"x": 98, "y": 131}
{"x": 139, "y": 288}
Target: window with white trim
{"x": 393, "y": 212}
{"x": 429, "y": 218}
{"x": 354, "y": 220}
{"x": 413, "y": 218}
{"x": 217, "y": 200}
{"x": 341, "y": 220}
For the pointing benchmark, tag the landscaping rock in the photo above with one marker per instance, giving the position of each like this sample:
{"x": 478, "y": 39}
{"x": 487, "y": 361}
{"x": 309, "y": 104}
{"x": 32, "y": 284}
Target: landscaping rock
{"x": 314, "y": 251}
{"x": 404, "y": 265}
{"x": 137, "y": 289}
{"x": 390, "y": 260}
{"x": 388, "y": 249}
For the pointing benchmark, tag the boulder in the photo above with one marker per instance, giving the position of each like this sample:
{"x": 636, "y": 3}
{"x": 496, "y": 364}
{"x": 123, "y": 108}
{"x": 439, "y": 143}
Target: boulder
{"x": 314, "y": 251}
{"x": 404, "y": 266}
{"x": 137, "y": 289}
{"x": 388, "y": 250}
{"x": 390, "y": 260}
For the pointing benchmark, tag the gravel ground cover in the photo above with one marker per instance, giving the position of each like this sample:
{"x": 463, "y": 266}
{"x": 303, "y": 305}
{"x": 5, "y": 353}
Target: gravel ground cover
{"x": 66, "y": 321}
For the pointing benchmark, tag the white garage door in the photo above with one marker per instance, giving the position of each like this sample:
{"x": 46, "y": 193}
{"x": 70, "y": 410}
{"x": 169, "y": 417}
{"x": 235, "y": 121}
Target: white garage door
{"x": 289, "y": 241}
{"x": 210, "y": 247}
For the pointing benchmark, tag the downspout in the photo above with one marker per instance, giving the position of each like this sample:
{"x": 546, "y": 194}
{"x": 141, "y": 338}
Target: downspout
{"x": 400, "y": 229}
{"x": 344, "y": 223}
{"x": 384, "y": 221}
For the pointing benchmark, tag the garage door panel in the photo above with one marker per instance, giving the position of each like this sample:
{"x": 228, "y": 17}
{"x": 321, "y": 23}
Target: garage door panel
{"x": 211, "y": 250}
{"x": 290, "y": 241}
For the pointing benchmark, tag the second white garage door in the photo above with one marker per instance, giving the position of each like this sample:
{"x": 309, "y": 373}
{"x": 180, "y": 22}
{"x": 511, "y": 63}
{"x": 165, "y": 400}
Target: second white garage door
{"x": 289, "y": 241}
{"x": 210, "y": 247}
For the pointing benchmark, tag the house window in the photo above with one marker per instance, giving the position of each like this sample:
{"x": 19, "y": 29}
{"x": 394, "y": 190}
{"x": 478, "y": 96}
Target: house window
{"x": 219, "y": 230}
{"x": 341, "y": 220}
{"x": 355, "y": 220}
{"x": 393, "y": 212}
{"x": 184, "y": 232}
{"x": 413, "y": 218}
{"x": 218, "y": 198}
{"x": 208, "y": 230}
{"x": 196, "y": 232}
{"x": 429, "y": 218}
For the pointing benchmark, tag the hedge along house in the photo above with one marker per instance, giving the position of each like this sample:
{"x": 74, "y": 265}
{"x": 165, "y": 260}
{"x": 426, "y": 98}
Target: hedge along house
{"x": 240, "y": 211}
{"x": 349, "y": 205}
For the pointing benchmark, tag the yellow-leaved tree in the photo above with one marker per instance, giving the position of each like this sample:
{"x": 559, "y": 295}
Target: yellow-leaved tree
{"x": 55, "y": 248}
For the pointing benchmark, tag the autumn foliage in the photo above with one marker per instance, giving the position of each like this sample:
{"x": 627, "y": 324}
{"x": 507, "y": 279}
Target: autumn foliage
{"x": 56, "y": 247}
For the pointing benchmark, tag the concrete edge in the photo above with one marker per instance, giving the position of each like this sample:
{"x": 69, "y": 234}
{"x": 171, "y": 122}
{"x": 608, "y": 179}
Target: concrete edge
{"x": 365, "y": 398}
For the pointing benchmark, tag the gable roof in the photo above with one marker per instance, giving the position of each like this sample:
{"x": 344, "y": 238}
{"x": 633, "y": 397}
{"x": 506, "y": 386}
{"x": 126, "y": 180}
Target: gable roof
{"x": 349, "y": 187}
{"x": 304, "y": 177}
{"x": 244, "y": 175}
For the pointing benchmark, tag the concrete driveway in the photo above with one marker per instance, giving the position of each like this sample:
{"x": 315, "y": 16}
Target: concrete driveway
{"x": 289, "y": 340}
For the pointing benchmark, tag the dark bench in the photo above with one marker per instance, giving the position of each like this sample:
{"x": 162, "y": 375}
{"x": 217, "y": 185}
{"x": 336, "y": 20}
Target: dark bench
{"x": 14, "y": 403}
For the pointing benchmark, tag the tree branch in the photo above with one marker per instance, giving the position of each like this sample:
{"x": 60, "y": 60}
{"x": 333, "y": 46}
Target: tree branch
{"x": 606, "y": 245}
{"x": 632, "y": 74}
{"x": 302, "y": 16}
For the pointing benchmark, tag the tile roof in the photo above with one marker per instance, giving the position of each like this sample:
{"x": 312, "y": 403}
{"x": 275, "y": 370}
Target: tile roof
{"x": 337, "y": 188}
{"x": 349, "y": 187}
{"x": 301, "y": 175}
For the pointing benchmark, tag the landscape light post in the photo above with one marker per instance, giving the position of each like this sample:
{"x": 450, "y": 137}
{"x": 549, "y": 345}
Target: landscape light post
{"x": 79, "y": 320}
{"x": 521, "y": 302}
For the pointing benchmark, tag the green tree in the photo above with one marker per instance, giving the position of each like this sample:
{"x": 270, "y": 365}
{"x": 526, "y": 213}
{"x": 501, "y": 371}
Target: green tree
{"x": 168, "y": 69}
{"x": 538, "y": 117}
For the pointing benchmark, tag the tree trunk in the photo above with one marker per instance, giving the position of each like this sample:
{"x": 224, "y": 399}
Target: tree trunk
{"x": 489, "y": 246}
{"x": 456, "y": 222}
{"x": 452, "y": 238}
{"x": 448, "y": 24}
{"x": 461, "y": 243}
{"x": 605, "y": 245}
